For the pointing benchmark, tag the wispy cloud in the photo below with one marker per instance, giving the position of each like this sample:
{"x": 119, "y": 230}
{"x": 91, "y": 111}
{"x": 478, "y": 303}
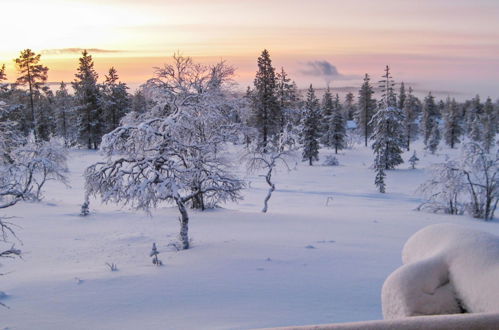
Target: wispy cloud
{"x": 60, "y": 51}
{"x": 324, "y": 69}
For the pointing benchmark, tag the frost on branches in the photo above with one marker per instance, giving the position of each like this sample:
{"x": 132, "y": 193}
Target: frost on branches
{"x": 176, "y": 152}
{"x": 471, "y": 184}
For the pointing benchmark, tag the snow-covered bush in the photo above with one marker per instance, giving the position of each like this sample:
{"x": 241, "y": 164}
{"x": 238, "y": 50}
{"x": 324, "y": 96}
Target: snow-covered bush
{"x": 447, "y": 269}
{"x": 331, "y": 161}
{"x": 471, "y": 184}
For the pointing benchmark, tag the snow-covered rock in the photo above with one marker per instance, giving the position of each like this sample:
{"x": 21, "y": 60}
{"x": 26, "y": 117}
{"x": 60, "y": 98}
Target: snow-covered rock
{"x": 447, "y": 269}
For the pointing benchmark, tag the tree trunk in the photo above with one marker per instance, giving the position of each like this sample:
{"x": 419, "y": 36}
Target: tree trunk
{"x": 271, "y": 190}
{"x": 184, "y": 224}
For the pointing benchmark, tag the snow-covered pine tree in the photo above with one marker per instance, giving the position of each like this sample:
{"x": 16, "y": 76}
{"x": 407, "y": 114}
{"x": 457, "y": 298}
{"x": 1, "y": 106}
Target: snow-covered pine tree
{"x": 44, "y": 114}
{"x": 89, "y": 111}
{"x": 490, "y": 123}
{"x": 326, "y": 115}
{"x": 452, "y": 123}
{"x": 411, "y": 109}
{"x": 476, "y": 129}
{"x": 473, "y": 109}
{"x": 311, "y": 128}
{"x": 64, "y": 115}
{"x": 388, "y": 136}
{"x": 287, "y": 99}
{"x": 366, "y": 107}
{"x": 267, "y": 113}
{"x": 154, "y": 255}
{"x": 379, "y": 180}
{"x": 115, "y": 101}
{"x": 413, "y": 160}
{"x": 430, "y": 117}
{"x": 337, "y": 127}
{"x": 349, "y": 106}
{"x": 402, "y": 96}
{"x": 434, "y": 139}
{"x": 34, "y": 75}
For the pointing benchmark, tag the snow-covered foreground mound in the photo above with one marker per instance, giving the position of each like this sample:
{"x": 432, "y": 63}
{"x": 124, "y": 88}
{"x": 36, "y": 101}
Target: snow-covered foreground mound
{"x": 320, "y": 254}
{"x": 447, "y": 269}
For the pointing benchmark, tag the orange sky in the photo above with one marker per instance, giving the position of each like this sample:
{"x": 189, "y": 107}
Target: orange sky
{"x": 446, "y": 45}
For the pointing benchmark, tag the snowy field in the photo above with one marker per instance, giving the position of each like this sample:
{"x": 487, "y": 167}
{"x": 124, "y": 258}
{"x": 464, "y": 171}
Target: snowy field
{"x": 303, "y": 262}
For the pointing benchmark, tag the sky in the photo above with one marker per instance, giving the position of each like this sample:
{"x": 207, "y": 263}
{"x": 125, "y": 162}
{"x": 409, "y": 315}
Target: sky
{"x": 448, "y": 46}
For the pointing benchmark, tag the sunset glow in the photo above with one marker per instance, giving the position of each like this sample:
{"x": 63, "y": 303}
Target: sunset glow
{"x": 446, "y": 45}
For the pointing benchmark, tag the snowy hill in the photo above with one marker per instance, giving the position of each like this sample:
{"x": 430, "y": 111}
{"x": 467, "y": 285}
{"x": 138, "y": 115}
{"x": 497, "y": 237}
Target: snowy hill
{"x": 320, "y": 254}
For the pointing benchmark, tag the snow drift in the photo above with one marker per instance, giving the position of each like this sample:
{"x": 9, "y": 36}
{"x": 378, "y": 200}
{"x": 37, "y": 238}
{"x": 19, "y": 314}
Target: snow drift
{"x": 447, "y": 269}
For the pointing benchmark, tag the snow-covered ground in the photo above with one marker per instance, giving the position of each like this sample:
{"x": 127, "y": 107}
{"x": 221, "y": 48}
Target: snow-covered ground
{"x": 304, "y": 262}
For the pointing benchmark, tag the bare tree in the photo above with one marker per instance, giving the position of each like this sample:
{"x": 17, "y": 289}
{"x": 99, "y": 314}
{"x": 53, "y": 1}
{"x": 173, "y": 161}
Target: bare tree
{"x": 269, "y": 160}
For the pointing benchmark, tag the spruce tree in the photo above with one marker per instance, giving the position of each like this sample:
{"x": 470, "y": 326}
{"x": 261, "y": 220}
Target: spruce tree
{"x": 89, "y": 115}
{"x": 64, "y": 105}
{"x": 115, "y": 100}
{"x": 326, "y": 116}
{"x": 310, "y": 124}
{"x": 338, "y": 127}
{"x": 34, "y": 75}
{"x": 388, "y": 136}
{"x": 452, "y": 123}
{"x": 430, "y": 117}
{"x": 366, "y": 107}
{"x": 379, "y": 180}
{"x": 490, "y": 123}
{"x": 287, "y": 99}
{"x": 413, "y": 160}
{"x": 402, "y": 96}
{"x": 266, "y": 110}
{"x": 434, "y": 139}
{"x": 349, "y": 107}
{"x": 411, "y": 109}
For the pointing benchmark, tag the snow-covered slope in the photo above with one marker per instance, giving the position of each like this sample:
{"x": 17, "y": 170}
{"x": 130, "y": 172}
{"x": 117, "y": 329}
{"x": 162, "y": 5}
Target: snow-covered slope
{"x": 301, "y": 263}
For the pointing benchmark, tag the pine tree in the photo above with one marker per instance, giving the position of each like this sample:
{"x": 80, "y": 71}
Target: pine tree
{"x": 34, "y": 75}
{"x": 473, "y": 109}
{"x": 326, "y": 115}
{"x": 379, "y": 180}
{"x": 452, "y": 123}
{"x": 434, "y": 139}
{"x": 349, "y": 107}
{"x": 388, "y": 135}
{"x": 366, "y": 107}
{"x": 402, "y": 96}
{"x": 337, "y": 127}
{"x": 266, "y": 110}
{"x": 386, "y": 85}
{"x": 115, "y": 100}
{"x": 430, "y": 117}
{"x": 90, "y": 126}
{"x": 413, "y": 160}
{"x": 64, "y": 105}
{"x": 287, "y": 98}
{"x": 411, "y": 109}
{"x": 490, "y": 123}
{"x": 311, "y": 133}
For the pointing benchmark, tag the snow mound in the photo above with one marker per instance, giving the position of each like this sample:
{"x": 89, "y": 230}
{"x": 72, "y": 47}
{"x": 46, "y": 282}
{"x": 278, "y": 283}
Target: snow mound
{"x": 447, "y": 269}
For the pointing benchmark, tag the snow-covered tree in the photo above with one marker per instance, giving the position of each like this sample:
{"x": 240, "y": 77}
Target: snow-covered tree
{"x": 443, "y": 191}
{"x": 337, "y": 127}
{"x": 349, "y": 106}
{"x": 430, "y": 117}
{"x": 310, "y": 128}
{"x": 402, "y": 96}
{"x": 89, "y": 110}
{"x": 452, "y": 123}
{"x": 434, "y": 139}
{"x": 278, "y": 155}
{"x": 388, "y": 136}
{"x": 287, "y": 99}
{"x": 411, "y": 108}
{"x": 115, "y": 101}
{"x": 32, "y": 74}
{"x": 379, "y": 180}
{"x": 326, "y": 115}
{"x": 267, "y": 114}
{"x": 175, "y": 152}
{"x": 490, "y": 124}
{"x": 413, "y": 160}
{"x": 366, "y": 107}
{"x": 64, "y": 115}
